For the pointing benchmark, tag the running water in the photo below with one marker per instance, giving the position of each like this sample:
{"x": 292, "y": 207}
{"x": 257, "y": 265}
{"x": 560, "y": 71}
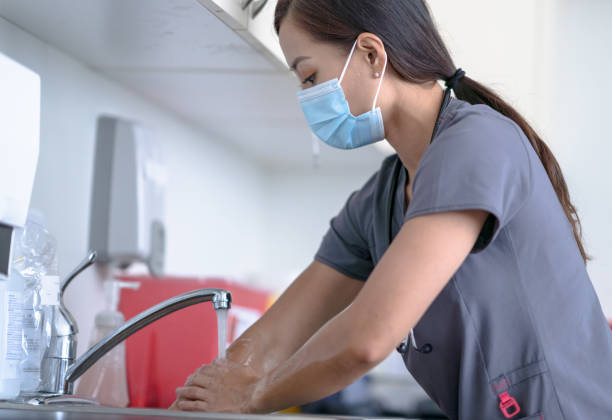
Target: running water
{"x": 221, "y": 332}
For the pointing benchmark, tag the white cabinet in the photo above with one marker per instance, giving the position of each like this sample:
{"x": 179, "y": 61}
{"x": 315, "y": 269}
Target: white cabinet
{"x": 229, "y": 11}
{"x": 261, "y": 26}
{"x": 253, "y": 20}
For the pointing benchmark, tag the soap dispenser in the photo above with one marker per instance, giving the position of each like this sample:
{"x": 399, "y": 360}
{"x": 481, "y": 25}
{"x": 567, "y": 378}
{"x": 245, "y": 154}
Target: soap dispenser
{"x": 106, "y": 381}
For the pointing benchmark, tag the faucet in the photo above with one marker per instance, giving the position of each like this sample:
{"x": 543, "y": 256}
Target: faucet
{"x": 61, "y": 350}
{"x": 59, "y": 369}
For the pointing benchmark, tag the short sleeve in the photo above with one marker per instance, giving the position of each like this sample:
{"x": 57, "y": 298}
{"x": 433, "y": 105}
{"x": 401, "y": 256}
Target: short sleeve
{"x": 479, "y": 163}
{"x": 344, "y": 246}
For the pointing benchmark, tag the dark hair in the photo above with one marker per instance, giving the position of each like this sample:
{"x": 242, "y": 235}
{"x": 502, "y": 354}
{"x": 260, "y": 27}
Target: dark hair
{"x": 418, "y": 54}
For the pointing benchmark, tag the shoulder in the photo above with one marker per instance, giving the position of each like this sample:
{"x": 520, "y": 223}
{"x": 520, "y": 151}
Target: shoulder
{"x": 477, "y": 131}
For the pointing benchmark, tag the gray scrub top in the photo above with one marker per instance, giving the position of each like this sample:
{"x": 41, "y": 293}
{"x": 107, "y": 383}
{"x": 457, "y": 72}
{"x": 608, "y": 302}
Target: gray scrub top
{"x": 520, "y": 317}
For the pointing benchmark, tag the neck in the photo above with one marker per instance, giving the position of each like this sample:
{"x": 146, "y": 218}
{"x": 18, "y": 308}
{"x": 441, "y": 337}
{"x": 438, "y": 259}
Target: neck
{"x": 411, "y": 122}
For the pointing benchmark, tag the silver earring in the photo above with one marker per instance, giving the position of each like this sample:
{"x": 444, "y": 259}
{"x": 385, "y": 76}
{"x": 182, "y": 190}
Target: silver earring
{"x": 377, "y": 74}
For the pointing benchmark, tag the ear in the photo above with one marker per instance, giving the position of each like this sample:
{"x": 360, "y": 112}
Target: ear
{"x": 374, "y": 51}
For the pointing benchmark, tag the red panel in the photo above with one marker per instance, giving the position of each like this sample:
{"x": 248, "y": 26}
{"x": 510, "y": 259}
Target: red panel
{"x": 161, "y": 356}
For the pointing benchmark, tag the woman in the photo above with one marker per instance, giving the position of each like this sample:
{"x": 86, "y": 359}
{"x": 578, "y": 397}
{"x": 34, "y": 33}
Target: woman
{"x": 467, "y": 239}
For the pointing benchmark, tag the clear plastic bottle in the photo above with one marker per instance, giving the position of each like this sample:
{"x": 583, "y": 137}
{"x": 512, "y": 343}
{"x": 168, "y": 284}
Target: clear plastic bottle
{"x": 36, "y": 262}
{"x": 11, "y": 332}
{"x": 106, "y": 381}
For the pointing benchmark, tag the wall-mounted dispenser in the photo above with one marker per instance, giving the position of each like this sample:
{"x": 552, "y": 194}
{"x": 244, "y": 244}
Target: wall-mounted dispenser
{"x": 127, "y": 205}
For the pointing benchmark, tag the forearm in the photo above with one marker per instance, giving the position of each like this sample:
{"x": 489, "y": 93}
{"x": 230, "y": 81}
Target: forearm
{"x": 328, "y": 362}
{"x": 316, "y": 296}
{"x": 254, "y": 348}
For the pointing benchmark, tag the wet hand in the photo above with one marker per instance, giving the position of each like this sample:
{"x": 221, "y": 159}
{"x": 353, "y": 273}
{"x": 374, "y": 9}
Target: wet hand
{"x": 221, "y": 387}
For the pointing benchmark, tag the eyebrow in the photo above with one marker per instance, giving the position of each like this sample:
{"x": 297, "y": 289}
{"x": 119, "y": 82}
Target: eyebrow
{"x": 297, "y": 61}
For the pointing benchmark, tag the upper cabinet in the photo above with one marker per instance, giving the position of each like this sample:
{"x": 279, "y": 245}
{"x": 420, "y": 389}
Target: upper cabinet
{"x": 253, "y": 20}
{"x": 231, "y": 12}
{"x": 261, "y": 26}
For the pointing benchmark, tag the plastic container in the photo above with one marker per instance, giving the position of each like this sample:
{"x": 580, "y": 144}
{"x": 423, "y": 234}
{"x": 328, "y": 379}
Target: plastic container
{"x": 106, "y": 381}
{"x": 35, "y": 260}
{"x": 11, "y": 329}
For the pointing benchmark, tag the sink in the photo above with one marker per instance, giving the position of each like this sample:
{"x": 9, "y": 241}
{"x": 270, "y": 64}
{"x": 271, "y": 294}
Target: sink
{"x": 11, "y": 411}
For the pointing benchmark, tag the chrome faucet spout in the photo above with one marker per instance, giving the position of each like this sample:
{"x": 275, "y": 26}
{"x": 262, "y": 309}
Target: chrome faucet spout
{"x": 220, "y": 298}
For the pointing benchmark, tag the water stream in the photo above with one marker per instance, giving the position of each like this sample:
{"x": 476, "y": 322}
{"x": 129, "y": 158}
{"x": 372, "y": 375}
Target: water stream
{"x": 221, "y": 332}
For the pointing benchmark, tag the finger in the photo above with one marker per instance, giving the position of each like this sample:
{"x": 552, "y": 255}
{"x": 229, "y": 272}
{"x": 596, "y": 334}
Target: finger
{"x": 189, "y": 378}
{"x": 202, "y": 381}
{"x": 193, "y": 405}
{"x": 191, "y": 393}
{"x": 196, "y": 374}
{"x": 219, "y": 361}
{"x": 203, "y": 368}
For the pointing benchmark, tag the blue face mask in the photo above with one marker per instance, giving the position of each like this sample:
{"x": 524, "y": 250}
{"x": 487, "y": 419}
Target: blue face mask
{"x": 330, "y": 118}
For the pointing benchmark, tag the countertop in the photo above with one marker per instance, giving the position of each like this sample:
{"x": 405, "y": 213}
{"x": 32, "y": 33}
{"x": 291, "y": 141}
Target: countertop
{"x": 10, "y": 411}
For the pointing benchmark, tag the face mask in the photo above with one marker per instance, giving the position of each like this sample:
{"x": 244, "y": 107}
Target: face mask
{"x": 330, "y": 118}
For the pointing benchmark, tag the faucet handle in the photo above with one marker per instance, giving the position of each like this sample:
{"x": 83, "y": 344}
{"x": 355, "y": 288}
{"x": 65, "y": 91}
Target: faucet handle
{"x": 89, "y": 260}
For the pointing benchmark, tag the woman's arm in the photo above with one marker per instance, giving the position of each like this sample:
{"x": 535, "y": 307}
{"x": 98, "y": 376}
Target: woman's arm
{"x": 314, "y": 297}
{"x": 420, "y": 261}
{"x": 317, "y": 295}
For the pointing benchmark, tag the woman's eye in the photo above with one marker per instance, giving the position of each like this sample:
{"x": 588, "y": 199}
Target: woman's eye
{"x": 310, "y": 79}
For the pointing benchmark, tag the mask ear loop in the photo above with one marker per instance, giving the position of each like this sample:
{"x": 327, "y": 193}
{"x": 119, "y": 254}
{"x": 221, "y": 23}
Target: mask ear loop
{"x": 380, "y": 83}
{"x": 348, "y": 60}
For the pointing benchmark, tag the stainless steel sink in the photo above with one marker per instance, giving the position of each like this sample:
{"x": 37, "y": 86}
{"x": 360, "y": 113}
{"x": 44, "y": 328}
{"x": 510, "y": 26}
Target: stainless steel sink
{"x": 9, "y": 411}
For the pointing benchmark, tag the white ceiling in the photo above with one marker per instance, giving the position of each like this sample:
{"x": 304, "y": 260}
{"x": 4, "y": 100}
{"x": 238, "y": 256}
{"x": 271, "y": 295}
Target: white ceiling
{"x": 179, "y": 55}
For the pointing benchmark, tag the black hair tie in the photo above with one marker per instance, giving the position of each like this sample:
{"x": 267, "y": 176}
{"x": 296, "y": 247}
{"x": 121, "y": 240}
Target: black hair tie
{"x": 451, "y": 82}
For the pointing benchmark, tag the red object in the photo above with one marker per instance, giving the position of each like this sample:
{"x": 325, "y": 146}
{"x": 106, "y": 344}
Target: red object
{"x": 161, "y": 356}
{"x": 508, "y": 405}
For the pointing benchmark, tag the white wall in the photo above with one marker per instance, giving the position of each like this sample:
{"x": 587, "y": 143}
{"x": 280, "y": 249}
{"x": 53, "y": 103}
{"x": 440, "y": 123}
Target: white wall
{"x": 214, "y": 200}
{"x": 577, "y": 95}
{"x": 495, "y": 42}
{"x": 299, "y": 206}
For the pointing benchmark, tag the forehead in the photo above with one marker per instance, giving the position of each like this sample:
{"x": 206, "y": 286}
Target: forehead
{"x": 294, "y": 41}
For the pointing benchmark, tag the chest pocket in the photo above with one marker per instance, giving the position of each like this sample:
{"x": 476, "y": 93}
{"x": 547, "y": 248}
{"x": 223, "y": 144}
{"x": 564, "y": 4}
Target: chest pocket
{"x": 530, "y": 388}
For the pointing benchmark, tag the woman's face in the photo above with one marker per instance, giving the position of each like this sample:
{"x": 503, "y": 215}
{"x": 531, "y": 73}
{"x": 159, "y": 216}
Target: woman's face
{"x": 315, "y": 62}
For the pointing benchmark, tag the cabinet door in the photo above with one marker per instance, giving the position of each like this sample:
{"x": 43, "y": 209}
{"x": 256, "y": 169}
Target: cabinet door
{"x": 261, "y": 27}
{"x": 229, "y": 11}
